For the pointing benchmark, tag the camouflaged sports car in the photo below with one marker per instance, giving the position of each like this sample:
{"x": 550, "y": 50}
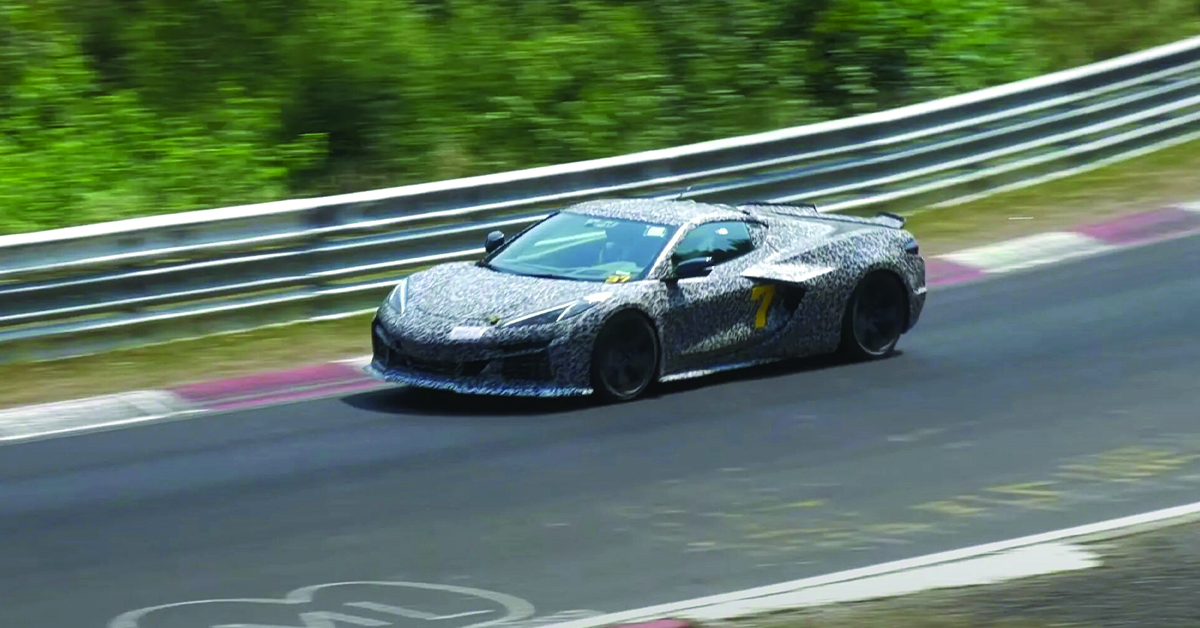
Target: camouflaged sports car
{"x": 613, "y": 296}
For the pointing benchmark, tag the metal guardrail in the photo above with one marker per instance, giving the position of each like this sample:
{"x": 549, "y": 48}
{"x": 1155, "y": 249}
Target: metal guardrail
{"x": 86, "y": 289}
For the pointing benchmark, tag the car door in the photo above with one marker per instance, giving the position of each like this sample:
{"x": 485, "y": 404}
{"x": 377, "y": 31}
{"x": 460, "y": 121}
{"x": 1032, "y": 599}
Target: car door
{"x": 714, "y": 316}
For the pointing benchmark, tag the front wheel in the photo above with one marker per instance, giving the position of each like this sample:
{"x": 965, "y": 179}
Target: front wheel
{"x": 625, "y": 357}
{"x": 874, "y": 318}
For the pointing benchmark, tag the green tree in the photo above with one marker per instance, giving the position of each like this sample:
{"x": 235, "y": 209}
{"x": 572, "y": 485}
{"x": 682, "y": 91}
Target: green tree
{"x": 72, "y": 151}
{"x": 118, "y": 109}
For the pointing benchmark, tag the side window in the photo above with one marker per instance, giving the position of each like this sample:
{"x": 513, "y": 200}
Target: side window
{"x": 722, "y": 241}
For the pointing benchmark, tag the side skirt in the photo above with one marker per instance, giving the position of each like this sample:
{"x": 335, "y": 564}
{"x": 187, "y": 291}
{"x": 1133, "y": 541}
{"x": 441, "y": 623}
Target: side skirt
{"x": 718, "y": 369}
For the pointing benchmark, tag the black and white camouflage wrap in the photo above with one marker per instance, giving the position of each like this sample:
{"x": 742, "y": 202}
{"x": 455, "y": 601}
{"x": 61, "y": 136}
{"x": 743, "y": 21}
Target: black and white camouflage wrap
{"x": 451, "y": 334}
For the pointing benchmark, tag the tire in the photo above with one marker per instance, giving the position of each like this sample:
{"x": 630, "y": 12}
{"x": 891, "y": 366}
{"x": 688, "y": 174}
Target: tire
{"x": 874, "y": 318}
{"x": 625, "y": 358}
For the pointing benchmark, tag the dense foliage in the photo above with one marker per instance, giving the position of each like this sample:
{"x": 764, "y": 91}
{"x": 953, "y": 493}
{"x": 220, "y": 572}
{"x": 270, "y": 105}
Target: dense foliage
{"x": 130, "y": 107}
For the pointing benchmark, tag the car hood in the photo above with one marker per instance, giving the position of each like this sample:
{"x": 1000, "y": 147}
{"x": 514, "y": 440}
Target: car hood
{"x": 466, "y": 294}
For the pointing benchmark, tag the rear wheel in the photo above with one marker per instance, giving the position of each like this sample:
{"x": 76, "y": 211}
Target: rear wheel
{"x": 874, "y": 318}
{"x": 625, "y": 358}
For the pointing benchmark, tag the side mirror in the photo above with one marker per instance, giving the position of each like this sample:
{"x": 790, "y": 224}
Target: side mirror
{"x": 696, "y": 267}
{"x": 493, "y": 241}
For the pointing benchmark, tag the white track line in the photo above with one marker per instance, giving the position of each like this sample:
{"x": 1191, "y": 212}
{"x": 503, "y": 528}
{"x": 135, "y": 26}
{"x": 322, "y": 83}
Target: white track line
{"x": 734, "y": 602}
{"x": 1025, "y": 562}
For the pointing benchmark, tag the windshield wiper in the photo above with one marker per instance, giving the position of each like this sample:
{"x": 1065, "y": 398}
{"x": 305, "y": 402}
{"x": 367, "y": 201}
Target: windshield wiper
{"x": 542, "y": 275}
{"x": 550, "y": 276}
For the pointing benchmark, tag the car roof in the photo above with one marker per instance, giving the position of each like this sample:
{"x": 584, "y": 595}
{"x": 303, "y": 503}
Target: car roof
{"x": 668, "y": 212}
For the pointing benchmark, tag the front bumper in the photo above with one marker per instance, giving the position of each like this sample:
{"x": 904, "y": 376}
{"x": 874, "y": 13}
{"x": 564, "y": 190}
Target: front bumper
{"x": 472, "y": 385}
{"x": 528, "y": 367}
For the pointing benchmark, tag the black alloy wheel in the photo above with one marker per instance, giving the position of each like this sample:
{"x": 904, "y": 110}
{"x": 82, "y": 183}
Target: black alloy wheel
{"x": 625, "y": 359}
{"x": 874, "y": 318}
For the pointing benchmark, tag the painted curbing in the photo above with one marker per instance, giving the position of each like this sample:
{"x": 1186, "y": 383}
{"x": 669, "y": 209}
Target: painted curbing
{"x": 68, "y": 418}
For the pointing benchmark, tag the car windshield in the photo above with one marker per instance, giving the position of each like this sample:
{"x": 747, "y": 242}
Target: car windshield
{"x": 587, "y": 248}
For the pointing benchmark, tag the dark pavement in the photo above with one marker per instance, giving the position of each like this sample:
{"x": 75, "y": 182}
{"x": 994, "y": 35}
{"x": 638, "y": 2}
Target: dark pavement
{"x": 1037, "y": 401}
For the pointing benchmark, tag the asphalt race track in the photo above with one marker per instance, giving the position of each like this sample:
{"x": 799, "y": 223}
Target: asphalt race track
{"x": 1036, "y": 401}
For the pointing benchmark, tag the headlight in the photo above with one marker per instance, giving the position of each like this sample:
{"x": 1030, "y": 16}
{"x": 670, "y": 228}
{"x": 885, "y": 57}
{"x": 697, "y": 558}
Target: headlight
{"x": 560, "y": 312}
{"x": 398, "y": 299}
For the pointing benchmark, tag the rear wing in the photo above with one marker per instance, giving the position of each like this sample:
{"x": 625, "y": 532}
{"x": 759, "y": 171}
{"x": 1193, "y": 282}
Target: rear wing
{"x": 808, "y": 210}
{"x": 791, "y": 209}
{"x": 889, "y": 219}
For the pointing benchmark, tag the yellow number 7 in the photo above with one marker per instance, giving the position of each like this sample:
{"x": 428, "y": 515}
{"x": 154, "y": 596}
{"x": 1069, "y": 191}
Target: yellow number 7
{"x": 762, "y": 294}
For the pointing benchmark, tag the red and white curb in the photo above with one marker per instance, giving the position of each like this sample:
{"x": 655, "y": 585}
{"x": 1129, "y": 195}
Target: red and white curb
{"x": 307, "y": 382}
{"x": 346, "y": 377}
{"x": 95, "y": 414}
{"x": 90, "y": 415}
{"x": 1057, "y": 246}
{"x": 1039, "y": 554}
